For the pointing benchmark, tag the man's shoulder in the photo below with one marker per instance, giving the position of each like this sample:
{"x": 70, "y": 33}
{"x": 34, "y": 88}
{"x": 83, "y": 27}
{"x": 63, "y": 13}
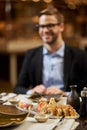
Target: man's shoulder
{"x": 34, "y": 51}
{"x": 75, "y": 53}
{"x": 74, "y": 50}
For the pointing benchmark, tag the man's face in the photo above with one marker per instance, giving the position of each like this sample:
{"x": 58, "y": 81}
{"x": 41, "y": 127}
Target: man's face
{"x": 49, "y": 29}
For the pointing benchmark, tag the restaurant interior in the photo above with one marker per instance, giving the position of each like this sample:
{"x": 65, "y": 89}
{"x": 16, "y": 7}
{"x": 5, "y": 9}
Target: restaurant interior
{"x": 17, "y": 32}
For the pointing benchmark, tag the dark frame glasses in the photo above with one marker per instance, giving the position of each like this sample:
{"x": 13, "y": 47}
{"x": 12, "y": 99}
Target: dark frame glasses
{"x": 50, "y": 25}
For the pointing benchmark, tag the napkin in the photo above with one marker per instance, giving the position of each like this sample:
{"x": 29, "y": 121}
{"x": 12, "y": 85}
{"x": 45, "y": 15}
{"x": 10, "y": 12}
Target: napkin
{"x": 31, "y": 124}
{"x": 7, "y": 96}
{"x": 20, "y": 97}
{"x": 68, "y": 124}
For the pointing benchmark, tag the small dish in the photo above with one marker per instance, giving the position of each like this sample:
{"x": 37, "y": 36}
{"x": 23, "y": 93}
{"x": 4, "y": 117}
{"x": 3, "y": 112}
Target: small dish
{"x": 13, "y": 101}
{"x": 40, "y": 117}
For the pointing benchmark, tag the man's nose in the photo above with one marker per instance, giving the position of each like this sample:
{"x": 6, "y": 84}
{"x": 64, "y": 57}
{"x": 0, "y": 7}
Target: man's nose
{"x": 46, "y": 29}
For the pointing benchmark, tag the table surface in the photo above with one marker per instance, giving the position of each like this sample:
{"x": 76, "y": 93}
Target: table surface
{"x": 83, "y": 124}
{"x": 82, "y": 120}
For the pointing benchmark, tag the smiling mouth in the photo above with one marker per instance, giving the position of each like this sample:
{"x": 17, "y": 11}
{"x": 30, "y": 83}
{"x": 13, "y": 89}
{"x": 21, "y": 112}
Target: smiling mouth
{"x": 47, "y": 36}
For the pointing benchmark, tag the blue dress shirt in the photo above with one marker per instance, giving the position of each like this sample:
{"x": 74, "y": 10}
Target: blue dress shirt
{"x": 53, "y": 65}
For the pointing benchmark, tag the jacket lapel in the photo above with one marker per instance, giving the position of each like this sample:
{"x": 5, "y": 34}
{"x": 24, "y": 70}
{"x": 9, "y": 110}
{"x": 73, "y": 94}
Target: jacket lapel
{"x": 67, "y": 65}
{"x": 38, "y": 64}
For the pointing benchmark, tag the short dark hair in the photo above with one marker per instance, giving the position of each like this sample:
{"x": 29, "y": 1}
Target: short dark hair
{"x": 53, "y": 11}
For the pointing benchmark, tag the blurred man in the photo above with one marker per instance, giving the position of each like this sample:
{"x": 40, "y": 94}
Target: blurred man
{"x": 52, "y": 67}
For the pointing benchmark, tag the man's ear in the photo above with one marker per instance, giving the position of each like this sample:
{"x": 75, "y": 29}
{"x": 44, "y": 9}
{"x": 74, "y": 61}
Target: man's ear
{"x": 62, "y": 27}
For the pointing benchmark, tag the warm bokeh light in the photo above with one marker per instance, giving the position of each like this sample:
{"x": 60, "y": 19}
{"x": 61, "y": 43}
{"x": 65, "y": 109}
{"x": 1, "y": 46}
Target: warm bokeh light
{"x": 35, "y": 0}
{"x": 47, "y": 1}
{"x": 35, "y": 19}
{"x": 75, "y": 2}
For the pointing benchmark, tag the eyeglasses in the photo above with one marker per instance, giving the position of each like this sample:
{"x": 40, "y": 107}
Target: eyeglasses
{"x": 49, "y": 26}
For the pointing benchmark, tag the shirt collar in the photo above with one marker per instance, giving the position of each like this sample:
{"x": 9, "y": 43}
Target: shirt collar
{"x": 59, "y": 52}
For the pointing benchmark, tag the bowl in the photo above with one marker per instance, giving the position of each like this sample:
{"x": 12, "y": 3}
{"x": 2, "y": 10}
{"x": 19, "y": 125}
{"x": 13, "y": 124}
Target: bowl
{"x": 13, "y": 101}
{"x": 40, "y": 117}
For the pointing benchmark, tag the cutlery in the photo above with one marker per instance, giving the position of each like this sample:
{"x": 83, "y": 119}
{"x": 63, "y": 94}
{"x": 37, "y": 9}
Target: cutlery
{"x": 59, "y": 122}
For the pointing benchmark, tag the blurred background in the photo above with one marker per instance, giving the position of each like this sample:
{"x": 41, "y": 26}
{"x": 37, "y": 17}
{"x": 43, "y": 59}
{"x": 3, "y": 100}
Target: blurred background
{"x": 17, "y": 32}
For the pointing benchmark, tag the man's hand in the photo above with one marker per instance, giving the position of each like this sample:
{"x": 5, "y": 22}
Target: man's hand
{"x": 39, "y": 89}
{"x": 53, "y": 90}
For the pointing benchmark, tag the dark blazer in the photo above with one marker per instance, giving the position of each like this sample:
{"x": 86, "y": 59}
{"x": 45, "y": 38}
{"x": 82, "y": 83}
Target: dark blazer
{"x": 75, "y": 69}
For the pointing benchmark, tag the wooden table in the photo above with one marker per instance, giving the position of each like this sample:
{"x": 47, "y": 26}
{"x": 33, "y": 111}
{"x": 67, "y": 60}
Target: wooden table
{"x": 82, "y": 125}
{"x": 10, "y": 109}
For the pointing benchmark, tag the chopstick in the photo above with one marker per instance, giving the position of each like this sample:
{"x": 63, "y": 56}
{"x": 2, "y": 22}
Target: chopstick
{"x": 59, "y": 122}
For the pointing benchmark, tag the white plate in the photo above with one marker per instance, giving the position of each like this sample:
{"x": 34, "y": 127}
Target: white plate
{"x": 52, "y": 117}
{"x": 67, "y": 117}
{"x": 27, "y": 110}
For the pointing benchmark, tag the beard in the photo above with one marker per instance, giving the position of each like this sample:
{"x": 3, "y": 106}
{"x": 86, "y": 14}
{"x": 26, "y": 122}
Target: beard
{"x": 52, "y": 40}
